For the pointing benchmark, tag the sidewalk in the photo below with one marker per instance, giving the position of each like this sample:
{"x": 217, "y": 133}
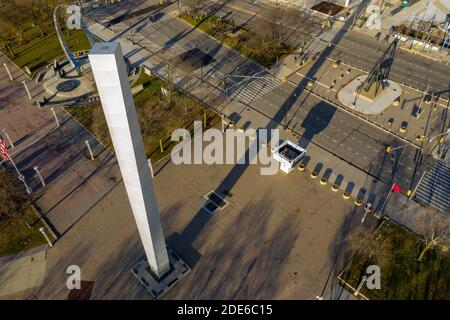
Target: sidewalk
{"x": 23, "y": 271}
{"x": 60, "y": 153}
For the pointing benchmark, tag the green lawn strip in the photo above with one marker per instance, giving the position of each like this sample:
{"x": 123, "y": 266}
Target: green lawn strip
{"x": 19, "y": 221}
{"x": 157, "y": 120}
{"x": 38, "y": 51}
{"x": 19, "y": 234}
{"x": 402, "y": 277}
{"x": 258, "y": 47}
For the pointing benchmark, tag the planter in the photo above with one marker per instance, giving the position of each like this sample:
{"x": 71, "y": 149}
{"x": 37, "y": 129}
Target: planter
{"x": 358, "y": 202}
{"x": 314, "y": 174}
{"x": 346, "y": 195}
{"x": 231, "y": 124}
{"x": 301, "y": 167}
{"x": 402, "y": 129}
{"x": 396, "y": 103}
{"x": 323, "y": 181}
{"x": 335, "y": 188}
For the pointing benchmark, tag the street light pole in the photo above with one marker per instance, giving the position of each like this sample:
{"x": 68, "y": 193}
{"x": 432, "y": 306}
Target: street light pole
{"x": 366, "y": 211}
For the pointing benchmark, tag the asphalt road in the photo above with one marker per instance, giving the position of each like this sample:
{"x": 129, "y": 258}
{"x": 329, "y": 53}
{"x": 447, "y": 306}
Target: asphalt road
{"x": 353, "y": 48}
{"x": 320, "y": 123}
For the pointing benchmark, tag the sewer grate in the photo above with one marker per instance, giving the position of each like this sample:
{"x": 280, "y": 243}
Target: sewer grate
{"x": 214, "y": 202}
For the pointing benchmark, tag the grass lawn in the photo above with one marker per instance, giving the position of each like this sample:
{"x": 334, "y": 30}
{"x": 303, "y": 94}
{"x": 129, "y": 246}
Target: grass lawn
{"x": 157, "y": 117}
{"x": 36, "y": 51}
{"x": 21, "y": 234}
{"x": 402, "y": 277}
{"x": 19, "y": 222}
{"x": 258, "y": 47}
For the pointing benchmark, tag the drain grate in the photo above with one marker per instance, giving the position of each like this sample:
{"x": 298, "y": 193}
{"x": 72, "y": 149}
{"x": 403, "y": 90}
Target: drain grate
{"x": 214, "y": 202}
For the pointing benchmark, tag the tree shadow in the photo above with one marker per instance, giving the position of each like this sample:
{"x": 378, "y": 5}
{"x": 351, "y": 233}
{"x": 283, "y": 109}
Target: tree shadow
{"x": 317, "y": 120}
{"x": 248, "y": 262}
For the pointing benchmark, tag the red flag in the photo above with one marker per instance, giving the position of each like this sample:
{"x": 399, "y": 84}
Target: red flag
{"x": 3, "y": 149}
{"x": 396, "y": 188}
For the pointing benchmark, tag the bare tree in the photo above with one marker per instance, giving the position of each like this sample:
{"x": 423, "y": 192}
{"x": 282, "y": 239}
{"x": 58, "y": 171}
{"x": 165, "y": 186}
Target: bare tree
{"x": 371, "y": 244}
{"x": 434, "y": 227}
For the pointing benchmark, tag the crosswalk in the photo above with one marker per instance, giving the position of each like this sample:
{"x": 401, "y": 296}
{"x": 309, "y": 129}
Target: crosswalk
{"x": 256, "y": 88}
{"x": 434, "y": 188}
{"x": 315, "y": 46}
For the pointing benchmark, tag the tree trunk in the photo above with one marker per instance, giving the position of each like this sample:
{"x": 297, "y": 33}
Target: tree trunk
{"x": 424, "y": 250}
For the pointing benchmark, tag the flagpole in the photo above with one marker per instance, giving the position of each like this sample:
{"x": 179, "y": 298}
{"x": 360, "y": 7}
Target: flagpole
{"x": 385, "y": 200}
{"x": 21, "y": 177}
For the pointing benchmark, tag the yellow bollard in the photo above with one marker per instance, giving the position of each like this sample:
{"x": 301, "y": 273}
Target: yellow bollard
{"x": 161, "y": 145}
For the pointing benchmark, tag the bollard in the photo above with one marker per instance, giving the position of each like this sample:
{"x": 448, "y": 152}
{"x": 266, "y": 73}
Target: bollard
{"x": 56, "y": 118}
{"x": 9, "y": 73}
{"x": 26, "y": 89}
{"x": 41, "y": 229}
{"x": 89, "y": 149}
{"x": 151, "y": 167}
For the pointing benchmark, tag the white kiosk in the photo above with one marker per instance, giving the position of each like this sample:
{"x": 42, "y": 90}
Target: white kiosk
{"x": 288, "y": 154}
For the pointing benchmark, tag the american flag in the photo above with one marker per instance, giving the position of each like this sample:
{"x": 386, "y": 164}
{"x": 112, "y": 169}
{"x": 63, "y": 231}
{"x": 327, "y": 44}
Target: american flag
{"x": 4, "y": 149}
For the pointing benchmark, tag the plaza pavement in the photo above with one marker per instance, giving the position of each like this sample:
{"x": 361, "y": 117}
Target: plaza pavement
{"x": 74, "y": 182}
{"x": 279, "y": 238}
{"x": 270, "y": 228}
